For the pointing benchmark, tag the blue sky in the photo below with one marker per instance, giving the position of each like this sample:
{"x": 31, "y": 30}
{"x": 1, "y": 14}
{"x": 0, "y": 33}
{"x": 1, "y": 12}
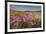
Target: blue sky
{"x": 25, "y": 7}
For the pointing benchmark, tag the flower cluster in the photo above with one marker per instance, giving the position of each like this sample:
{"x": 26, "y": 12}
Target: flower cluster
{"x": 27, "y": 19}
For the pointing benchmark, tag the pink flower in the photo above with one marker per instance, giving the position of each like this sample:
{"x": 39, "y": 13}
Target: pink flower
{"x": 16, "y": 18}
{"x": 28, "y": 17}
{"x": 19, "y": 18}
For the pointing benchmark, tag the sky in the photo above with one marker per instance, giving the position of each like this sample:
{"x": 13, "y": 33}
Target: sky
{"x": 25, "y": 7}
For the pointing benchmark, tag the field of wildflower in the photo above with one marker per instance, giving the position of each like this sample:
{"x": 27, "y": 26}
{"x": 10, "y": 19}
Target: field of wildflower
{"x": 25, "y": 19}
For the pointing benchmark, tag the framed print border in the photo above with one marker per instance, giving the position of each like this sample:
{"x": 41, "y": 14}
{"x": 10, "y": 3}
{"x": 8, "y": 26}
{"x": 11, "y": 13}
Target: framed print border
{"x": 29, "y": 3}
